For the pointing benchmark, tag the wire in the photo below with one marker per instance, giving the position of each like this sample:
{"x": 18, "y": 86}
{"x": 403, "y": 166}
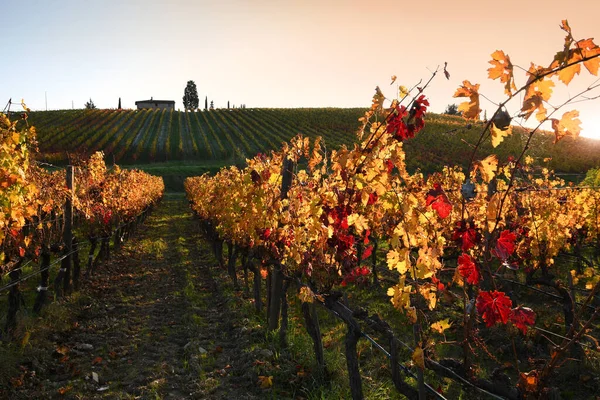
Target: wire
{"x": 24, "y": 278}
{"x": 17, "y": 269}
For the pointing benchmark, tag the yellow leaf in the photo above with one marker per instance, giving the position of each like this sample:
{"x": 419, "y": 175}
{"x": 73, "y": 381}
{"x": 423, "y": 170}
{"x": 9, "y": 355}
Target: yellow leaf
{"x": 488, "y": 167}
{"x": 25, "y": 339}
{"x": 306, "y": 295}
{"x": 492, "y": 210}
{"x": 498, "y": 134}
{"x": 470, "y": 109}
{"x": 429, "y": 294}
{"x": 402, "y": 92}
{"x": 441, "y": 325}
{"x": 400, "y": 295}
{"x": 418, "y": 357}
{"x": 397, "y": 260}
{"x": 265, "y": 382}
{"x": 360, "y": 222}
{"x": 411, "y": 313}
{"x": 567, "y": 126}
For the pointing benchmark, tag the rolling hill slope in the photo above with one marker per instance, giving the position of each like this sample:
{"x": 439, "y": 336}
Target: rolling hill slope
{"x": 222, "y": 137}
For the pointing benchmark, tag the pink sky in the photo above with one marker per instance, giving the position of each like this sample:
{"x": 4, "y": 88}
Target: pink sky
{"x": 268, "y": 53}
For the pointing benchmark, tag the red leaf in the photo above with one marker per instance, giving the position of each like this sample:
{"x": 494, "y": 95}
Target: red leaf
{"x": 438, "y": 200}
{"x": 21, "y": 252}
{"x": 443, "y": 207}
{"x": 344, "y": 223}
{"x": 367, "y": 252}
{"x": 465, "y": 234}
{"x": 367, "y": 234}
{"x": 390, "y": 166}
{"x": 505, "y": 245}
{"x": 494, "y": 307}
{"x": 521, "y": 317}
{"x": 440, "y": 286}
{"x": 372, "y": 198}
{"x": 468, "y": 269}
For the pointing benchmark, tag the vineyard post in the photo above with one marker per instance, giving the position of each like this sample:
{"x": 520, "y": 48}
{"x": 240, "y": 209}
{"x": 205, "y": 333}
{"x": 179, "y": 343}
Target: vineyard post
{"x": 90, "y": 265}
{"x": 284, "y": 314}
{"x": 311, "y": 320}
{"x": 76, "y": 264}
{"x": 256, "y": 286}
{"x": 420, "y": 377}
{"x": 65, "y": 267}
{"x": 43, "y": 288}
{"x": 15, "y": 299}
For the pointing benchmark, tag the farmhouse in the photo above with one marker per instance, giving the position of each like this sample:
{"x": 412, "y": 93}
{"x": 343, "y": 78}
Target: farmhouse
{"x": 155, "y": 104}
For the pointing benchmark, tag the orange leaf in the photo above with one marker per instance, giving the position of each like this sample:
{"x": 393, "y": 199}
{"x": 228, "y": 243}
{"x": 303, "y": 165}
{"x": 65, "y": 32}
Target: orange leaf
{"x": 561, "y": 58}
{"x": 538, "y": 91}
{"x": 63, "y": 390}
{"x": 590, "y": 49}
{"x": 470, "y": 109}
{"x": 502, "y": 68}
{"x": 567, "y": 126}
{"x": 97, "y": 360}
{"x": 528, "y": 381}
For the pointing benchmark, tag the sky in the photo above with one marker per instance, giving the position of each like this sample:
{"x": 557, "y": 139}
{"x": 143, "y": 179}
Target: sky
{"x": 286, "y": 53}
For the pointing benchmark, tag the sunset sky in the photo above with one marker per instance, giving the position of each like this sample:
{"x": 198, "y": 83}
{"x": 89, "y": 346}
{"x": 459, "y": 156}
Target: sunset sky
{"x": 287, "y": 53}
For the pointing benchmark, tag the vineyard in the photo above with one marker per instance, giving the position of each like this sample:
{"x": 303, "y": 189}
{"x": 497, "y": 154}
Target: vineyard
{"x": 468, "y": 272}
{"x": 229, "y": 136}
{"x": 48, "y": 215}
{"x": 468, "y": 252}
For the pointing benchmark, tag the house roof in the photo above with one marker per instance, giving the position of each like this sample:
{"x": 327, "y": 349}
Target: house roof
{"x": 155, "y": 101}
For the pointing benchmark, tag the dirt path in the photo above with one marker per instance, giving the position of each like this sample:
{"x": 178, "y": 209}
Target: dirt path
{"x": 153, "y": 323}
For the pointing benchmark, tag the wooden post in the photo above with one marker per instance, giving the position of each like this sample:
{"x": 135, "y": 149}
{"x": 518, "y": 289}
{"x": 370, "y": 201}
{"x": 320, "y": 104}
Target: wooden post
{"x": 275, "y": 298}
{"x": 257, "y": 285}
{"x": 90, "y": 265}
{"x": 15, "y": 299}
{"x": 68, "y": 233}
{"x": 420, "y": 377}
{"x": 76, "y": 264}
{"x": 311, "y": 320}
{"x": 351, "y": 343}
{"x": 284, "y": 315}
{"x": 42, "y": 294}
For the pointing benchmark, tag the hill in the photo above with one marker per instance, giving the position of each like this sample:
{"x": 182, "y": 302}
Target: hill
{"x": 195, "y": 142}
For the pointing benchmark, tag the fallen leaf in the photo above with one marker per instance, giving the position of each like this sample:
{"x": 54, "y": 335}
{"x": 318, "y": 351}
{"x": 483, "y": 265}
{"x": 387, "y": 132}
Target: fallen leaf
{"x": 265, "y": 382}
{"x": 65, "y": 389}
{"x": 97, "y": 360}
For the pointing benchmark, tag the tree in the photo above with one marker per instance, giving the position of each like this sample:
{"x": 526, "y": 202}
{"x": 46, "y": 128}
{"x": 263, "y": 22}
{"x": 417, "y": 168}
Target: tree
{"x": 190, "y": 96}
{"x": 90, "y": 104}
{"x": 227, "y": 104}
{"x": 119, "y": 104}
{"x": 452, "y": 109}
{"x": 212, "y": 105}
{"x": 206, "y": 103}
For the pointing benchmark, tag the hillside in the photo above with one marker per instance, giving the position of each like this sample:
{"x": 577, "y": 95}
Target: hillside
{"x": 220, "y": 137}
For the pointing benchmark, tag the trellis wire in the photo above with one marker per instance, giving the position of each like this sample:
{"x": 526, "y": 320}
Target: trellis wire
{"x": 24, "y": 278}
